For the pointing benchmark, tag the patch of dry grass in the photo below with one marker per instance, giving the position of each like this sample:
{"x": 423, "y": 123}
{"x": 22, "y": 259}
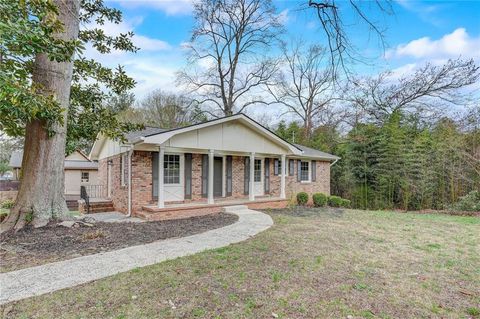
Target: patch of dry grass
{"x": 311, "y": 264}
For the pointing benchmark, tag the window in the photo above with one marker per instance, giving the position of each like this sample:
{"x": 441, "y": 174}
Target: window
{"x": 85, "y": 177}
{"x": 277, "y": 167}
{"x": 257, "y": 172}
{"x": 171, "y": 169}
{"x": 124, "y": 169}
{"x": 291, "y": 167}
{"x": 304, "y": 171}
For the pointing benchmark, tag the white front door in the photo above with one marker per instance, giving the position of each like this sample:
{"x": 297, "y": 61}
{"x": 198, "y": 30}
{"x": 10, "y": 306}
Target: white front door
{"x": 258, "y": 177}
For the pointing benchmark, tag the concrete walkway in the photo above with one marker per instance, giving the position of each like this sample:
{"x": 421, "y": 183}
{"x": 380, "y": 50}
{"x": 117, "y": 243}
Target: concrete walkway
{"x": 24, "y": 283}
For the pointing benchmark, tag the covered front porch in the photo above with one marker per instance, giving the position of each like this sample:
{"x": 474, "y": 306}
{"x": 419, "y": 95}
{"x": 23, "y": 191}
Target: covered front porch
{"x": 210, "y": 177}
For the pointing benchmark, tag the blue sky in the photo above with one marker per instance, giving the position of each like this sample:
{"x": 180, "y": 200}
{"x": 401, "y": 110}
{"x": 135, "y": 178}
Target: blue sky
{"x": 418, "y": 32}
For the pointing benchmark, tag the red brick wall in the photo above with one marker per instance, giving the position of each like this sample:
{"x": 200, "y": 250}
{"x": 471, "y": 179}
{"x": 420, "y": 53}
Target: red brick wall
{"x": 238, "y": 177}
{"x": 119, "y": 192}
{"x": 321, "y": 185}
{"x": 197, "y": 177}
{"x": 142, "y": 180}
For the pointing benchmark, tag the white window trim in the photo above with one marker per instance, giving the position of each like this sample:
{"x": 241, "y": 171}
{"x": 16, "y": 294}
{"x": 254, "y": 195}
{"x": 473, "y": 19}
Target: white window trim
{"x": 309, "y": 180}
{"x": 82, "y": 179}
{"x": 123, "y": 160}
{"x": 181, "y": 168}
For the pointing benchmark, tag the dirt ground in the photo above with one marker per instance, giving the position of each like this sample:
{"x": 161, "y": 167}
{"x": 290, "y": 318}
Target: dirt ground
{"x": 33, "y": 247}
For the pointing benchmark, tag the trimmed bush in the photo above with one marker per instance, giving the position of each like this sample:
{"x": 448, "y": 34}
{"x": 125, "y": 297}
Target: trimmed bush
{"x": 319, "y": 199}
{"x": 302, "y": 198}
{"x": 7, "y": 204}
{"x": 334, "y": 201}
{"x": 345, "y": 203}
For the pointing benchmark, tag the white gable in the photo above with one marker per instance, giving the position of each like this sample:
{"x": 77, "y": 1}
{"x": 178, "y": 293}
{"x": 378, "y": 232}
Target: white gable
{"x": 76, "y": 156}
{"x": 231, "y": 136}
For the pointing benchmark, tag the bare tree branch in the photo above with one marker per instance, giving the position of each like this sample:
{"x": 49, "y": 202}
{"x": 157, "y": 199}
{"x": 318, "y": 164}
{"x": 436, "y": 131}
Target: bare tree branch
{"x": 227, "y": 53}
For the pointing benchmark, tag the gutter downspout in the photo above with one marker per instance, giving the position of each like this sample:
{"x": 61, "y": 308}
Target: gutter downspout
{"x": 334, "y": 162}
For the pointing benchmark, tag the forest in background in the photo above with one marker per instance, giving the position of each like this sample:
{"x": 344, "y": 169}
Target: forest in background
{"x": 407, "y": 138}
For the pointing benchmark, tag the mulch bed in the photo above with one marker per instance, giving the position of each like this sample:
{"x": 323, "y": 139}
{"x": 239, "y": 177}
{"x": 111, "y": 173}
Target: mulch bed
{"x": 31, "y": 247}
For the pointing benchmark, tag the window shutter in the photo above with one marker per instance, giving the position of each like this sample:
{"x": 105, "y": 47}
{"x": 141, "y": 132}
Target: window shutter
{"x": 314, "y": 171}
{"x": 267, "y": 176}
{"x": 291, "y": 168}
{"x": 188, "y": 176}
{"x": 246, "y": 175}
{"x": 204, "y": 175}
{"x": 229, "y": 175}
{"x": 299, "y": 170}
{"x": 275, "y": 166}
{"x": 155, "y": 175}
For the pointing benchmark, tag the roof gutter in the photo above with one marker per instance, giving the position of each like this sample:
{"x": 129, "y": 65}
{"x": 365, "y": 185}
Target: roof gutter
{"x": 336, "y": 160}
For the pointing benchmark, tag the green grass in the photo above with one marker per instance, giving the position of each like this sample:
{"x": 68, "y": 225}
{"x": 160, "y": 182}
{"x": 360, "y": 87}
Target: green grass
{"x": 314, "y": 263}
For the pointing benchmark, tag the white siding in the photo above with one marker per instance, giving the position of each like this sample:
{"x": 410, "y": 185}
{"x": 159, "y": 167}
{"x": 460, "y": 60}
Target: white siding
{"x": 109, "y": 148}
{"x": 230, "y": 136}
{"x": 76, "y": 156}
{"x": 73, "y": 180}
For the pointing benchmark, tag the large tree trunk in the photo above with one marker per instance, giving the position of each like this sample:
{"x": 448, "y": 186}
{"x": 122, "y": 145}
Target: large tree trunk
{"x": 41, "y": 194}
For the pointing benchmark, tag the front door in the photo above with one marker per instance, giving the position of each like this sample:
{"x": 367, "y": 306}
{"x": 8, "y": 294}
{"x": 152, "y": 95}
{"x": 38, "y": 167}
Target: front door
{"x": 258, "y": 177}
{"x": 217, "y": 176}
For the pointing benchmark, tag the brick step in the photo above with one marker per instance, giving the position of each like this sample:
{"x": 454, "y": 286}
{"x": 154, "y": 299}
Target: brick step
{"x": 102, "y": 204}
{"x": 176, "y": 213}
{"x": 101, "y": 209}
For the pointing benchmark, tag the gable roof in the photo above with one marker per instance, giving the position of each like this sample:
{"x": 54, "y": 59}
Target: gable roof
{"x": 149, "y": 130}
{"x": 162, "y": 136}
{"x": 157, "y": 135}
{"x": 313, "y": 153}
{"x": 17, "y": 157}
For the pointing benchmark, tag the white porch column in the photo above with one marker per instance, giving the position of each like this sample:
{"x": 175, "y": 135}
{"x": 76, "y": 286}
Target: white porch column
{"x": 224, "y": 175}
{"x": 251, "y": 187}
{"x": 210, "y": 176}
{"x": 161, "y": 193}
{"x": 282, "y": 177}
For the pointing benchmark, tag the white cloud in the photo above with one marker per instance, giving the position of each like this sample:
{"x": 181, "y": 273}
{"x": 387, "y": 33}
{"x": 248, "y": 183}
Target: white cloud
{"x": 452, "y": 45}
{"x": 143, "y": 42}
{"x": 149, "y": 44}
{"x": 170, "y": 7}
{"x": 152, "y": 67}
{"x": 425, "y": 10}
{"x": 283, "y": 17}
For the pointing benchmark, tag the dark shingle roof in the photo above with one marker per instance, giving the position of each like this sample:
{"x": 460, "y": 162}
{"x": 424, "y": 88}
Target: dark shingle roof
{"x": 310, "y": 152}
{"x": 149, "y": 130}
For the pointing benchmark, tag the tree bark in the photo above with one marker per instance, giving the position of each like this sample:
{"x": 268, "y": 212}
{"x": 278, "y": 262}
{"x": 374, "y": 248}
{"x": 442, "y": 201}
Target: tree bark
{"x": 41, "y": 194}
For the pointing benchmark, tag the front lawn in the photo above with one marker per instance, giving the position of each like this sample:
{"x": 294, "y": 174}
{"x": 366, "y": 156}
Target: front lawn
{"x": 310, "y": 264}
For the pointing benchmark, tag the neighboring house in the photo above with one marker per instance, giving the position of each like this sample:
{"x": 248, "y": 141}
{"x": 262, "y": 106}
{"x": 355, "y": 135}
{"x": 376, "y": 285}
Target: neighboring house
{"x": 228, "y": 160}
{"x": 79, "y": 170}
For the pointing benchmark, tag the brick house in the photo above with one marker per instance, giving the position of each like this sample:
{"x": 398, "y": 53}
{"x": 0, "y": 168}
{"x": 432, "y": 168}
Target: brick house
{"x": 226, "y": 161}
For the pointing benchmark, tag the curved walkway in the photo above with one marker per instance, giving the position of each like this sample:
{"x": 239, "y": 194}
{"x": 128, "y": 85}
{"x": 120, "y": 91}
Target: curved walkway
{"x": 47, "y": 278}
